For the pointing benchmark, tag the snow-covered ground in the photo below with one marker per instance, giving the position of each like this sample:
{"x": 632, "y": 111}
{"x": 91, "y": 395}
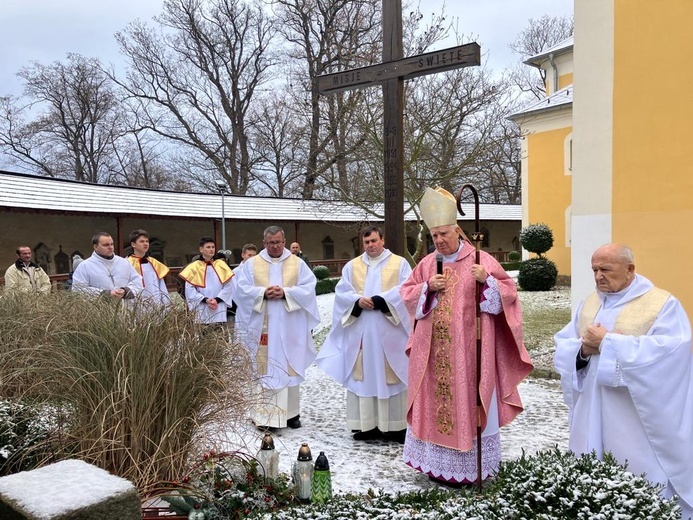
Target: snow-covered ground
{"x": 357, "y": 466}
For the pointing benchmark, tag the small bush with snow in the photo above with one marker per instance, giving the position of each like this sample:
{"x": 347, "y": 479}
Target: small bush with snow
{"x": 23, "y": 430}
{"x": 321, "y": 272}
{"x": 551, "y": 485}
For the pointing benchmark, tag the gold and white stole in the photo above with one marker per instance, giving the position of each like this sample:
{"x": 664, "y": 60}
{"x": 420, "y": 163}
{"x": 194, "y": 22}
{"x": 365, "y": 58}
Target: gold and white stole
{"x": 636, "y": 317}
{"x": 389, "y": 278}
{"x": 261, "y": 270}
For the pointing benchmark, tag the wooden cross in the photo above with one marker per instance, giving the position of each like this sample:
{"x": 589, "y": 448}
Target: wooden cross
{"x": 391, "y": 73}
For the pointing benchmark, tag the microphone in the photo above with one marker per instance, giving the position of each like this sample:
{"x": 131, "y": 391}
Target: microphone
{"x": 439, "y": 263}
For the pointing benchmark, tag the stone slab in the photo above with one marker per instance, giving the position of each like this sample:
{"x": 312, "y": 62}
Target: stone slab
{"x": 68, "y": 490}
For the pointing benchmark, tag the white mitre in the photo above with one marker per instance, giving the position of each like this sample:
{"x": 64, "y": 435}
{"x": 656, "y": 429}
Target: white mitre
{"x": 438, "y": 208}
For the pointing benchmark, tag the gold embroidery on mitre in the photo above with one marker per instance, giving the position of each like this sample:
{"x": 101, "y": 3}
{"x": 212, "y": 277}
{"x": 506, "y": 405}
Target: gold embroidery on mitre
{"x": 438, "y": 207}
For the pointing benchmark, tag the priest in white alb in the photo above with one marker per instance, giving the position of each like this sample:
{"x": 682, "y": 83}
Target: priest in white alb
{"x": 105, "y": 273}
{"x": 627, "y": 374}
{"x": 365, "y": 349}
{"x": 277, "y": 310}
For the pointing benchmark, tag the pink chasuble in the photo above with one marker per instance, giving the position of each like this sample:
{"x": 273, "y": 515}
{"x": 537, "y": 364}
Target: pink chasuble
{"x": 442, "y": 355}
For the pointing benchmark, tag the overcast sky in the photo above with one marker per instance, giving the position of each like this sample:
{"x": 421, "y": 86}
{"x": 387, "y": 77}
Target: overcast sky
{"x": 46, "y": 30}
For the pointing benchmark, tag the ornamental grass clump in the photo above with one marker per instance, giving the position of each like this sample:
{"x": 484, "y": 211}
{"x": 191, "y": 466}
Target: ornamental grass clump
{"x": 145, "y": 388}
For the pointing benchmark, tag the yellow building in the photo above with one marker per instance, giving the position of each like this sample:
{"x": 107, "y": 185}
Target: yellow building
{"x": 547, "y": 128}
{"x": 630, "y": 179}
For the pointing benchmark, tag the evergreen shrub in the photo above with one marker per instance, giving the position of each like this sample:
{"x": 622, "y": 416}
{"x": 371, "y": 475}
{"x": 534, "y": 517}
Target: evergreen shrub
{"x": 537, "y": 238}
{"x": 326, "y": 286}
{"x": 556, "y": 484}
{"x": 321, "y": 272}
{"x": 537, "y": 274}
{"x": 550, "y": 485}
{"x": 514, "y": 256}
{"x": 24, "y": 430}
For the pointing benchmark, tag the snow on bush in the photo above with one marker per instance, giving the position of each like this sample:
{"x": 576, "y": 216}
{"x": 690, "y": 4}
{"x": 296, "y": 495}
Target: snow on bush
{"x": 549, "y": 485}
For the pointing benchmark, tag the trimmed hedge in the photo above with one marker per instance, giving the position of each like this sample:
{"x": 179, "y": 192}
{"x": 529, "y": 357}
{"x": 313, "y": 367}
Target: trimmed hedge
{"x": 321, "y": 272}
{"x": 537, "y": 238}
{"x": 537, "y": 274}
{"x": 326, "y": 286}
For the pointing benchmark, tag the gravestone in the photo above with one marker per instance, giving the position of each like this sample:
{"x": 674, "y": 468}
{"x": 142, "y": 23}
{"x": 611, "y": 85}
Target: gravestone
{"x": 68, "y": 490}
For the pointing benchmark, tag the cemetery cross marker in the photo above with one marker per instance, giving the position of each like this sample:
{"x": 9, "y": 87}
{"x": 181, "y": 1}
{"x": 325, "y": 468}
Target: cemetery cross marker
{"x": 391, "y": 73}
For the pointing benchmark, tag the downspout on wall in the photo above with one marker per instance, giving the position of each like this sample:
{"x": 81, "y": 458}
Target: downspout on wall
{"x": 552, "y": 61}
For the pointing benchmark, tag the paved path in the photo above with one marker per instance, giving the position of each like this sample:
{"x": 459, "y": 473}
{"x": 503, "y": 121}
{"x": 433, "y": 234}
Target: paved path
{"x": 357, "y": 466}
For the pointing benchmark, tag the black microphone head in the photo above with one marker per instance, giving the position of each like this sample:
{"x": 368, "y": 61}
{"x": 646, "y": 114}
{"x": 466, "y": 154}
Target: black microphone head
{"x": 439, "y": 263}
{"x": 439, "y": 257}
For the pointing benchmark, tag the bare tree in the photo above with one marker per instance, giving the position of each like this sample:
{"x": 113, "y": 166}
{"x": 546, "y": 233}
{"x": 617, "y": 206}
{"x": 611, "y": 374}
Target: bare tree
{"x": 278, "y": 141}
{"x": 448, "y": 129}
{"x": 66, "y": 122}
{"x": 496, "y": 168}
{"x": 144, "y": 162}
{"x": 539, "y": 35}
{"x": 195, "y": 80}
{"x": 327, "y": 36}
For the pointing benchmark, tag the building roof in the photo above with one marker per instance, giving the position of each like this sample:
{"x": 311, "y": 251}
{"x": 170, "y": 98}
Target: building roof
{"x": 558, "y": 49}
{"x": 31, "y": 192}
{"x": 560, "y": 99}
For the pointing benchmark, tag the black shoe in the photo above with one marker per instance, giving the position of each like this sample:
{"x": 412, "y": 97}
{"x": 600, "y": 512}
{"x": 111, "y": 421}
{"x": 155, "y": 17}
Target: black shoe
{"x": 368, "y": 435}
{"x": 396, "y": 436}
{"x": 294, "y": 422}
{"x": 448, "y": 483}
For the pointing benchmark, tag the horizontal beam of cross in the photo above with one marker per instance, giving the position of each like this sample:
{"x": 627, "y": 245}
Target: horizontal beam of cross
{"x": 406, "y": 68}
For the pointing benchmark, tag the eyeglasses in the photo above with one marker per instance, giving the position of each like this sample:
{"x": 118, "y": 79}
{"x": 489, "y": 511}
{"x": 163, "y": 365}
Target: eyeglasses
{"x": 275, "y": 243}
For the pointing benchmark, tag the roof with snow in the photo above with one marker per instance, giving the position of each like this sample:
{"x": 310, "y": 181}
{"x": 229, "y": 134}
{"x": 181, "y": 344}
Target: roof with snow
{"x": 30, "y": 192}
{"x": 560, "y": 99}
{"x": 558, "y": 49}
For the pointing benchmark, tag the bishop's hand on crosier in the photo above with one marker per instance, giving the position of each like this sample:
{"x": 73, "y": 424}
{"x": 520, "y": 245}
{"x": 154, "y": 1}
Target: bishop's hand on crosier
{"x": 479, "y": 273}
